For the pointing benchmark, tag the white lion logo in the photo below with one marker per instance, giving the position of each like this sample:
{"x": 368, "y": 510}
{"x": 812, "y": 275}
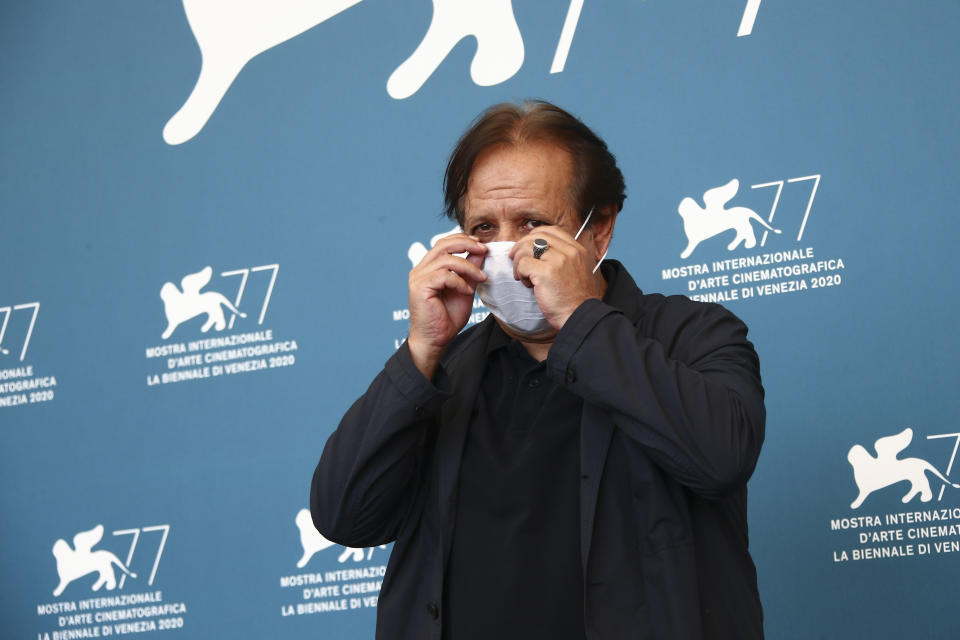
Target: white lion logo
{"x": 180, "y": 306}
{"x": 700, "y": 223}
{"x": 82, "y": 560}
{"x": 313, "y": 541}
{"x": 491, "y": 23}
{"x": 230, "y": 33}
{"x": 886, "y": 469}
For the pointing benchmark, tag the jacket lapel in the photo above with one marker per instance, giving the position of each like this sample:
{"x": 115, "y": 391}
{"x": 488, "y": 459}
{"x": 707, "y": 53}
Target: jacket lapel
{"x": 596, "y": 427}
{"x": 466, "y": 368}
{"x": 596, "y": 431}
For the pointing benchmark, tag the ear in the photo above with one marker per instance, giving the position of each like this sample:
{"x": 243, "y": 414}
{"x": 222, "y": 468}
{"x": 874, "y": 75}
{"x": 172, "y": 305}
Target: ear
{"x": 604, "y": 219}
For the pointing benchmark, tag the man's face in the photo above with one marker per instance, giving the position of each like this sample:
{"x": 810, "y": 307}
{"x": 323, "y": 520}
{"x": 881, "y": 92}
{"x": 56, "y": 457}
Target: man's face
{"x": 513, "y": 190}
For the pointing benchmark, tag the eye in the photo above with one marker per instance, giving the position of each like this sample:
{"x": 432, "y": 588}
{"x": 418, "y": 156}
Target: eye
{"x": 482, "y": 229}
{"x": 530, "y": 224}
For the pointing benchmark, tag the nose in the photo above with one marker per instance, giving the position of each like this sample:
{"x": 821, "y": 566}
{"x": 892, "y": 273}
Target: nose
{"x": 507, "y": 233}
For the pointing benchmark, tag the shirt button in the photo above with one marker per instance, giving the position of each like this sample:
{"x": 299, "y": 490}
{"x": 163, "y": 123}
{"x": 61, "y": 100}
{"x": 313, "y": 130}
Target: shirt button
{"x": 433, "y": 610}
{"x": 419, "y": 411}
{"x": 534, "y": 383}
{"x": 571, "y": 375}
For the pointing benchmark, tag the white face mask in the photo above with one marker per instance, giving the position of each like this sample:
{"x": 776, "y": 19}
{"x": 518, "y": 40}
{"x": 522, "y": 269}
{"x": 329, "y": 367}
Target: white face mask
{"x": 514, "y": 304}
{"x": 508, "y": 299}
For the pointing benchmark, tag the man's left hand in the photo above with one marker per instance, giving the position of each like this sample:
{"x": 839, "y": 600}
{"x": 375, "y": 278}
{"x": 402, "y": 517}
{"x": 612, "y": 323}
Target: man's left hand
{"x": 562, "y": 278}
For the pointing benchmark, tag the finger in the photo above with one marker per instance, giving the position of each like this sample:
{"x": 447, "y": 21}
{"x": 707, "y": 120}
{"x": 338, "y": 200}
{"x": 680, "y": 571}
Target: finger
{"x": 527, "y": 269}
{"x": 459, "y": 243}
{"x": 454, "y": 282}
{"x": 523, "y": 249}
{"x": 562, "y": 244}
{"x": 528, "y": 266}
{"x": 560, "y": 247}
{"x": 555, "y": 237}
{"x": 520, "y": 251}
{"x": 466, "y": 268}
{"x": 434, "y": 284}
{"x": 452, "y": 245}
{"x": 476, "y": 259}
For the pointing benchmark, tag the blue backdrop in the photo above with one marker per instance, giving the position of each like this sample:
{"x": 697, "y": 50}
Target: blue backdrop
{"x": 288, "y": 157}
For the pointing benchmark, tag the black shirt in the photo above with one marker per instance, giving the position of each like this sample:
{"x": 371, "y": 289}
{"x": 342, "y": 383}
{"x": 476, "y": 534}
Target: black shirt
{"x": 514, "y": 568}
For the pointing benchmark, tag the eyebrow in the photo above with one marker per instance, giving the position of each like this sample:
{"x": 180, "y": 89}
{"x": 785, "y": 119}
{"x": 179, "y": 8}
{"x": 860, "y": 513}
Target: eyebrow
{"x": 529, "y": 213}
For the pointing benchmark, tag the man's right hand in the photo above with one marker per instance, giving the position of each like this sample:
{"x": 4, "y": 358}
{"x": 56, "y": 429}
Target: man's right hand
{"x": 442, "y": 287}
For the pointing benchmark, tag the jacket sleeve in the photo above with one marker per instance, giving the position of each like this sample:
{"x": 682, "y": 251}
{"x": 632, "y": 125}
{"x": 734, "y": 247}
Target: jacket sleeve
{"x": 683, "y": 382}
{"x": 368, "y": 475}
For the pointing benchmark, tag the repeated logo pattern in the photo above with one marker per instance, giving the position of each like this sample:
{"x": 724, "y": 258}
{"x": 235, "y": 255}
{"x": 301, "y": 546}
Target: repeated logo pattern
{"x": 701, "y": 223}
{"x": 872, "y": 473}
{"x": 188, "y": 303}
{"x": 82, "y": 560}
{"x": 313, "y": 541}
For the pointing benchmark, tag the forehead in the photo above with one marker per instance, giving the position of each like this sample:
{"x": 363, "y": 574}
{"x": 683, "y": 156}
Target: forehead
{"x": 535, "y": 175}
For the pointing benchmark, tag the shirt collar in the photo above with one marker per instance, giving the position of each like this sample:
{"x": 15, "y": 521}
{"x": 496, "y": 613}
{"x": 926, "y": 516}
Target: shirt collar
{"x": 499, "y": 339}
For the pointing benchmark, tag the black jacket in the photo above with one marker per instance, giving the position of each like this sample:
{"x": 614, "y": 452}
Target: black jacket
{"x": 672, "y": 425}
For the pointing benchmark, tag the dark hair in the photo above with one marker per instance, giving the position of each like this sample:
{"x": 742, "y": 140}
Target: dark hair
{"x": 596, "y": 180}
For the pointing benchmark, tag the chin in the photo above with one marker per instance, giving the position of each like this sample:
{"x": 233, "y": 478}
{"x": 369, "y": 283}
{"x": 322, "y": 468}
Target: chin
{"x": 540, "y": 337}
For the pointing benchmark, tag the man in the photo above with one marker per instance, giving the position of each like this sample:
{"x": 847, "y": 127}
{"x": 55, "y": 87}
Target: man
{"x": 574, "y": 467}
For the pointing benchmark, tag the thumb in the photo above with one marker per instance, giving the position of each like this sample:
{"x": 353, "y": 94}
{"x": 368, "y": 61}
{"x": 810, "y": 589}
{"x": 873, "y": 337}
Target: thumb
{"x": 475, "y": 259}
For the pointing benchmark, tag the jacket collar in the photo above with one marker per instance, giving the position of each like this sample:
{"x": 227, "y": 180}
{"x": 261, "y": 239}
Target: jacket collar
{"x": 622, "y": 291}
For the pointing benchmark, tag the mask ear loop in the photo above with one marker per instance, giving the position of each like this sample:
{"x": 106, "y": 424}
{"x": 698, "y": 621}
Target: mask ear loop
{"x": 602, "y": 258}
{"x": 577, "y": 237}
{"x": 584, "y": 225}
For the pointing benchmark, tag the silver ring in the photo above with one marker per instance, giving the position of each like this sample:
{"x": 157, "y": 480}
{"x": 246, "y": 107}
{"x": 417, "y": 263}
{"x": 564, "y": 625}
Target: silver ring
{"x": 539, "y": 247}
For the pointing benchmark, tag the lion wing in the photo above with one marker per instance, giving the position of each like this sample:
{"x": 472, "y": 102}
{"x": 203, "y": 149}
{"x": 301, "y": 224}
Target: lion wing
{"x": 83, "y": 542}
{"x": 717, "y": 197}
{"x": 889, "y": 446}
{"x": 193, "y": 282}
